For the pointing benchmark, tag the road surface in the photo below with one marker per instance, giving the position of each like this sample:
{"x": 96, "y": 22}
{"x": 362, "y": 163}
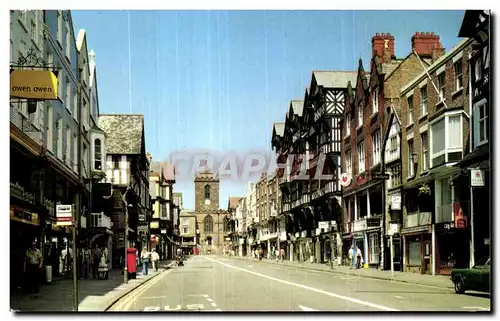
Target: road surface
{"x": 214, "y": 283}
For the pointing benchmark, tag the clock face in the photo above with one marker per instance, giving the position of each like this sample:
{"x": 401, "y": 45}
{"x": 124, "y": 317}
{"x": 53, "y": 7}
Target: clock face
{"x": 207, "y": 202}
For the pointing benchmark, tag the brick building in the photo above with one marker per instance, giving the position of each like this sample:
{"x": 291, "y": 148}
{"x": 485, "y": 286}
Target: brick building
{"x": 435, "y": 127}
{"x": 372, "y": 111}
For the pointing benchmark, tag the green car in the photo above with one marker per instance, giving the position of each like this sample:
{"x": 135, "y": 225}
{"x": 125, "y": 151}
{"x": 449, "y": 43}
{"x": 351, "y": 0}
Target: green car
{"x": 475, "y": 279}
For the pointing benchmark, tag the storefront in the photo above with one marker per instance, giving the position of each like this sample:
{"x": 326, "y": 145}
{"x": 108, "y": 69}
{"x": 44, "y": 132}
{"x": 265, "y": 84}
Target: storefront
{"x": 417, "y": 249}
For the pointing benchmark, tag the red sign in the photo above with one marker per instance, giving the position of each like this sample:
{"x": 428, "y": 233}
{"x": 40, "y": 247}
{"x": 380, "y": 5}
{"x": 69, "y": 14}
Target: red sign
{"x": 460, "y": 218}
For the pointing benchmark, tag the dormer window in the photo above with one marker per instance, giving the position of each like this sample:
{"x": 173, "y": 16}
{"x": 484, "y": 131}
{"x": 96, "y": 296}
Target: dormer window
{"x": 98, "y": 154}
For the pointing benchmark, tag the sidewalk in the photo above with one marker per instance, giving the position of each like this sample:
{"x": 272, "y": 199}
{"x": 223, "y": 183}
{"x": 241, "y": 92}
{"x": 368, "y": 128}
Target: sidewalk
{"x": 93, "y": 295}
{"x": 421, "y": 279}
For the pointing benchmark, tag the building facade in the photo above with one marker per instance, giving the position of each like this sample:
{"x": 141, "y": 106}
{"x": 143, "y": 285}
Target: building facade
{"x": 127, "y": 174}
{"x": 435, "y": 105}
{"x": 475, "y": 167}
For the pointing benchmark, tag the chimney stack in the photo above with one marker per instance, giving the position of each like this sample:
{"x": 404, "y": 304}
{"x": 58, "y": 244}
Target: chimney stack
{"x": 427, "y": 44}
{"x": 383, "y": 46}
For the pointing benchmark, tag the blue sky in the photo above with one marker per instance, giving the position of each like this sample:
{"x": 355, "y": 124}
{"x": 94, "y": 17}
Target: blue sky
{"x": 219, "y": 79}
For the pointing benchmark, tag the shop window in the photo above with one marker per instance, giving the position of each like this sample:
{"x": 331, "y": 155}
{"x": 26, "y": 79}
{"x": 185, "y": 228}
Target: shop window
{"x": 414, "y": 252}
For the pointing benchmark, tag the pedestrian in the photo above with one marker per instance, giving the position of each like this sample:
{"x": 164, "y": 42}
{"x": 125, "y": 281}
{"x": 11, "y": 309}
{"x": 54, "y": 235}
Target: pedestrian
{"x": 32, "y": 267}
{"x": 155, "y": 258}
{"x": 277, "y": 254}
{"x": 359, "y": 258}
{"x": 145, "y": 260}
{"x": 352, "y": 256}
{"x": 282, "y": 255}
{"x": 96, "y": 259}
{"x": 85, "y": 262}
{"x": 103, "y": 264}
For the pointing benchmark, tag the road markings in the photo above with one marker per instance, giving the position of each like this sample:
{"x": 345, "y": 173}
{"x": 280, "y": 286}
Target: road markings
{"x": 218, "y": 310}
{"x": 398, "y": 296}
{"x": 477, "y": 308}
{"x": 125, "y": 303}
{"x": 303, "y": 308}
{"x": 209, "y": 300}
{"x": 334, "y": 295}
{"x": 167, "y": 308}
{"x": 199, "y": 295}
{"x": 213, "y": 304}
{"x": 151, "y": 309}
{"x": 195, "y": 307}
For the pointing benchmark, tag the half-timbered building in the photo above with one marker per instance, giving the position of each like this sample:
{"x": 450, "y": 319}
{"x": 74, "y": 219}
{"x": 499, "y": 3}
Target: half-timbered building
{"x": 476, "y": 165}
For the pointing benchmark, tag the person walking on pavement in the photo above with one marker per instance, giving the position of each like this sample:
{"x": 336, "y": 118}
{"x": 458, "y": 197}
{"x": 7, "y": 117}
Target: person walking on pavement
{"x": 352, "y": 256}
{"x": 32, "y": 265}
{"x": 85, "y": 262}
{"x": 145, "y": 260}
{"x": 359, "y": 258}
{"x": 155, "y": 258}
{"x": 96, "y": 258}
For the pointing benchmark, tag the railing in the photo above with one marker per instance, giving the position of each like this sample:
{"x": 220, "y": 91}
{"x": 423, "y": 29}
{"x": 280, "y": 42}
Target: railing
{"x": 444, "y": 213}
{"x": 100, "y": 220}
{"x": 328, "y": 188}
{"x": 417, "y": 219}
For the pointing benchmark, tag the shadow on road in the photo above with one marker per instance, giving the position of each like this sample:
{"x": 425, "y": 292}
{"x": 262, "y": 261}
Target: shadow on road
{"x": 398, "y": 292}
{"x": 479, "y": 295}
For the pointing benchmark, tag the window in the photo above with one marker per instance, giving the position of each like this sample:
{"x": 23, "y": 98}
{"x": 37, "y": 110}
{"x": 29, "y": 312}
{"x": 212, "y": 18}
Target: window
{"x": 360, "y": 114}
{"x": 59, "y": 139}
{"x": 67, "y": 100}
{"x": 185, "y": 229}
{"x": 50, "y": 127}
{"x": 33, "y": 32}
{"x": 486, "y": 56}
{"x": 347, "y": 125}
{"x": 85, "y": 157}
{"x": 98, "y": 155}
{"x": 116, "y": 162}
{"x": 361, "y": 157}
{"x": 477, "y": 70}
{"x": 75, "y": 106}
{"x": 59, "y": 26}
{"x": 425, "y": 151}
{"x": 375, "y": 101}
{"x": 423, "y": 101}
{"x": 442, "y": 86}
{"x": 208, "y": 224}
{"x": 410, "y": 110}
{"x": 207, "y": 191}
{"x": 23, "y": 16}
{"x": 411, "y": 166}
{"x": 446, "y": 140}
{"x": 75, "y": 154}
{"x": 68, "y": 41}
{"x": 68, "y": 146}
{"x": 458, "y": 76}
{"x": 480, "y": 123}
{"x": 376, "y": 147}
{"x": 185, "y": 221}
{"x": 374, "y": 248}
{"x": 348, "y": 162}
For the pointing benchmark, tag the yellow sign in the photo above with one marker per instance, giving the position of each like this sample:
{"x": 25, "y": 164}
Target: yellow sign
{"x": 33, "y": 84}
{"x": 21, "y": 215}
{"x": 154, "y": 225}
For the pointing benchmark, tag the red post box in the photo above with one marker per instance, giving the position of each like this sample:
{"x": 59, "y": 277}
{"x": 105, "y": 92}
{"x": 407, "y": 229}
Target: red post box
{"x": 131, "y": 261}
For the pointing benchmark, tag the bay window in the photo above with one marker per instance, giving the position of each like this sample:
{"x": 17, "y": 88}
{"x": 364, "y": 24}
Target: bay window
{"x": 446, "y": 139}
{"x": 361, "y": 157}
{"x": 376, "y": 147}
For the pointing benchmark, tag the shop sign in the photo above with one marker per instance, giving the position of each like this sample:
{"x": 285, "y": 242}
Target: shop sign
{"x": 154, "y": 225}
{"x": 163, "y": 231}
{"x": 323, "y": 225}
{"x": 345, "y": 179}
{"x": 396, "y": 202}
{"x": 33, "y": 84}
{"x": 64, "y": 215}
{"x": 21, "y": 215}
{"x": 372, "y": 222}
{"x": 460, "y": 218}
{"x": 476, "y": 178}
{"x": 142, "y": 218}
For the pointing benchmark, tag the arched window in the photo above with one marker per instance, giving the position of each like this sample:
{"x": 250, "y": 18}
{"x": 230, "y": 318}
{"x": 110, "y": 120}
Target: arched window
{"x": 208, "y": 224}
{"x": 207, "y": 192}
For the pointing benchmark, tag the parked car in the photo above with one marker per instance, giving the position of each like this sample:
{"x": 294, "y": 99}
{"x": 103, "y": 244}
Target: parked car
{"x": 476, "y": 279}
